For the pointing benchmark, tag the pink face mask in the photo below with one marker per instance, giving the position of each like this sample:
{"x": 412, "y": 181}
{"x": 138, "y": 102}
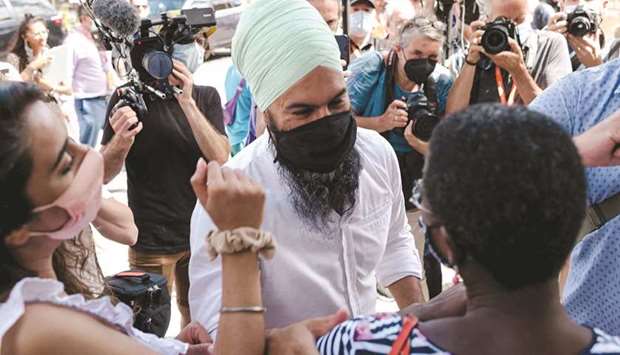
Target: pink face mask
{"x": 80, "y": 202}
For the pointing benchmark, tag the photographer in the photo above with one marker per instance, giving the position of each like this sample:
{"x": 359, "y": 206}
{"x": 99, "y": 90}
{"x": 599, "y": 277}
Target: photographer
{"x": 381, "y": 87}
{"x": 580, "y": 24}
{"x": 526, "y": 61}
{"x": 160, "y": 151}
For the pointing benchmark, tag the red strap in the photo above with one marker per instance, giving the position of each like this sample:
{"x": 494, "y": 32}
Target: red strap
{"x": 499, "y": 79}
{"x": 401, "y": 345}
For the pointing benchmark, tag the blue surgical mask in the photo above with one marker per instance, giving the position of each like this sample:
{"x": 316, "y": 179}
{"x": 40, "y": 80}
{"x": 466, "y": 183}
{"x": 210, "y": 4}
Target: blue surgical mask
{"x": 190, "y": 54}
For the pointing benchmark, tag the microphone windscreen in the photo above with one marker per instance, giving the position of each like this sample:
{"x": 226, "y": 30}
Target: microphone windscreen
{"x": 118, "y": 15}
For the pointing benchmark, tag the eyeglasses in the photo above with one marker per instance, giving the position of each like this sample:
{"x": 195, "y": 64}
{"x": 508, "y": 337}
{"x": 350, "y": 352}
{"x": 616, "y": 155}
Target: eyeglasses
{"x": 40, "y": 33}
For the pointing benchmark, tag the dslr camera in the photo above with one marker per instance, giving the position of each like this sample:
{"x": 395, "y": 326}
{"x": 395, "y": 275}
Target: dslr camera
{"x": 497, "y": 34}
{"x": 582, "y": 21}
{"x": 423, "y": 113}
{"x": 152, "y": 51}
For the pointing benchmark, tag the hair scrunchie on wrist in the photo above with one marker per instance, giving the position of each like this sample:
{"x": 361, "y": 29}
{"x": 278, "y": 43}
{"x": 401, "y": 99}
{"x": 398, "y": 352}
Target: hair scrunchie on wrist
{"x": 240, "y": 240}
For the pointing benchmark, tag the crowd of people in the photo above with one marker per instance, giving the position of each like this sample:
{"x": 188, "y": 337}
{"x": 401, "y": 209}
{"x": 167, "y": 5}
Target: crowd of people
{"x": 481, "y": 136}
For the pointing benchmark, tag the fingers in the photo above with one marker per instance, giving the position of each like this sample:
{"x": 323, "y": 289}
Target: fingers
{"x": 199, "y": 179}
{"x": 399, "y": 104}
{"x": 477, "y": 25}
{"x": 321, "y": 326}
{"x": 408, "y": 130}
{"x": 214, "y": 175}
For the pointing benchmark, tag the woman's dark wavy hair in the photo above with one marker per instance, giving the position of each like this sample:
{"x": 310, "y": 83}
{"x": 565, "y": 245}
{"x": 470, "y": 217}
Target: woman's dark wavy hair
{"x": 74, "y": 261}
{"x": 509, "y": 187}
{"x": 17, "y": 43}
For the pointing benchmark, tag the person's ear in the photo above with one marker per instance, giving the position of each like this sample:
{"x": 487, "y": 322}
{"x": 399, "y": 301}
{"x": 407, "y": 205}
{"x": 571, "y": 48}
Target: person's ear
{"x": 17, "y": 238}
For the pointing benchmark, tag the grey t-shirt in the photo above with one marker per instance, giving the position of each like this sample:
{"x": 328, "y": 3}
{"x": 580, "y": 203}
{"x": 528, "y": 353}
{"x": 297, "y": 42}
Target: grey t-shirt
{"x": 547, "y": 60}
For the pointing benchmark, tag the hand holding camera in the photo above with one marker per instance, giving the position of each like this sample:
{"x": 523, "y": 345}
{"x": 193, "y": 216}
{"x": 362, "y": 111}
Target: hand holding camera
{"x": 475, "y": 47}
{"x": 499, "y": 41}
{"x": 394, "y": 117}
{"x": 181, "y": 78}
{"x": 125, "y": 124}
{"x": 587, "y": 49}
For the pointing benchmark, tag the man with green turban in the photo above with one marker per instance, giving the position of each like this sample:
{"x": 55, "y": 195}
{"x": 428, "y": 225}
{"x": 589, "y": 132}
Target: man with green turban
{"x": 334, "y": 199}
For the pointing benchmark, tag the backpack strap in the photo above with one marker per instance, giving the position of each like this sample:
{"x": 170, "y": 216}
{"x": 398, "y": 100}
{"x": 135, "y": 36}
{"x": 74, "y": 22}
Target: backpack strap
{"x": 401, "y": 345}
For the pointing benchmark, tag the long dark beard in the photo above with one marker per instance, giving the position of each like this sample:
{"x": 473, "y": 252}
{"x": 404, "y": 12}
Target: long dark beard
{"x": 316, "y": 196}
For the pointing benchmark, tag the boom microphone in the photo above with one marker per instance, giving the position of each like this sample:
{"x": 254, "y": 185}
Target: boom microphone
{"x": 118, "y": 15}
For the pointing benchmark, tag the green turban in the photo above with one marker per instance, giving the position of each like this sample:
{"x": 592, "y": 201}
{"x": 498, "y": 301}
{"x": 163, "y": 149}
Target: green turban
{"x": 277, "y": 43}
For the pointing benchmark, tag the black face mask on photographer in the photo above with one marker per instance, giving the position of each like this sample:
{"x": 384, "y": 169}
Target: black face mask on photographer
{"x": 418, "y": 70}
{"x": 319, "y": 146}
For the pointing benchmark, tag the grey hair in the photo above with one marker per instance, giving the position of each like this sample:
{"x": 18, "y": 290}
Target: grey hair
{"x": 425, "y": 25}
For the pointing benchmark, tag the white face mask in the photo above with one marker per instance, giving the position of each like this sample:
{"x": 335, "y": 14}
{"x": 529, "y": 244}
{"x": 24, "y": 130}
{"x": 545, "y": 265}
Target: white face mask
{"x": 361, "y": 24}
{"x": 191, "y": 54}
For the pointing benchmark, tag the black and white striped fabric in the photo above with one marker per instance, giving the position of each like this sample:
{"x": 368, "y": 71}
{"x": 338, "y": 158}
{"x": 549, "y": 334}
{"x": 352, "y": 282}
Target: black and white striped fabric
{"x": 374, "y": 335}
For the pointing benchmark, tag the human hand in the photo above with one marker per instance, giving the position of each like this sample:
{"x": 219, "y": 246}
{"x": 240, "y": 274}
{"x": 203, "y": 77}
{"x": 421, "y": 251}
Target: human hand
{"x": 125, "y": 125}
{"x": 300, "y": 338}
{"x": 182, "y": 77}
{"x": 599, "y": 146}
{"x": 63, "y": 89}
{"x": 475, "y": 48}
{"x": 230, "y": 198}
{"x": 41, "y": 62}
{"x": 557, "y": 23}
{"x": 450, "y": 303}
{"x": 587, "y": 49}
{"x": 395, "y": 116}
{"x": 511, "y": 60}
{"x": 416, "y": 143}
{"x": 198, "y": 338}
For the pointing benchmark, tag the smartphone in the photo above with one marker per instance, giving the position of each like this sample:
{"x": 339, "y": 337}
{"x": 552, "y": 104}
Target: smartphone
{"x": 344, "y": 45}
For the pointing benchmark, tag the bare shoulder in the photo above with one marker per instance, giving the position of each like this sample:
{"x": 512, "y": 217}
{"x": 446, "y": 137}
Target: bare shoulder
{"x": 54, "y": 330}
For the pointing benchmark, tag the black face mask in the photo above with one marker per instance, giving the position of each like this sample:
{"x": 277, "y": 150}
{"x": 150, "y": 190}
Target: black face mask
{"x": 418, "y": 70}
{"x": 319, "y": 146}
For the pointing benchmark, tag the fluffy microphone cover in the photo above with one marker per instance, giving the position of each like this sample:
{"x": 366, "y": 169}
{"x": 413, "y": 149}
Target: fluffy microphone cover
{"x": 118, "y": 15}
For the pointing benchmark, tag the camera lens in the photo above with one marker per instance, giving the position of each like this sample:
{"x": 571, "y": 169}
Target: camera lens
{"x": 495, "y": 40}
{"x": 579, "y": 26}
{"x": 158, "y": 64}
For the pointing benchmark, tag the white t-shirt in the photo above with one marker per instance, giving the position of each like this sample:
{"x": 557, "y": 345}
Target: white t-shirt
{"x": 8, "y": 72}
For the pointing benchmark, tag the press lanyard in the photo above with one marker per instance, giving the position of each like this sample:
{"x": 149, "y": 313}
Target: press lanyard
{"x": 499, "y": 79}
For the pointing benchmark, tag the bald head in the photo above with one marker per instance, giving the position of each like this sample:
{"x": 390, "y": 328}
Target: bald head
{"x": 516, "y": 10}
{"x": 329, "y": 10}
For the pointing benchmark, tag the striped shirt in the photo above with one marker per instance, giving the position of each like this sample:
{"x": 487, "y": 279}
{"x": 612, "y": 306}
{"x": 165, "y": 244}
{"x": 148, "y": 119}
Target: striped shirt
{"x": 374, "y": 335}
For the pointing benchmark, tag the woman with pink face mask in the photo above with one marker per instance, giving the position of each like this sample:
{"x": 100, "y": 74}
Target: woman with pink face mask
{"x": 50, "y": 190}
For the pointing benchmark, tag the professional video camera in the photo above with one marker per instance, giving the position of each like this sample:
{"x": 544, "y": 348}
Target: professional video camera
{"x": 497, "y": 34}
{"x": 582, "y": 21}
{"x": 145, "y": 49}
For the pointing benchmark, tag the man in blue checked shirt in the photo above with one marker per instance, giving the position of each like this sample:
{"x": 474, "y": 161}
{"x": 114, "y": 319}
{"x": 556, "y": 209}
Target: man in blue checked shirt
{"x": 578, "y": 102}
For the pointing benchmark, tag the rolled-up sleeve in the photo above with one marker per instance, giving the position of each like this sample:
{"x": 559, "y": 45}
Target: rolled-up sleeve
{"x": 205, "y": 277}
{"x": 401, "y": 258}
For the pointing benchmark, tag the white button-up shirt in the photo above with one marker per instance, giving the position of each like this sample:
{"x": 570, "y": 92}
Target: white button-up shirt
{"x": 314, "y": 274}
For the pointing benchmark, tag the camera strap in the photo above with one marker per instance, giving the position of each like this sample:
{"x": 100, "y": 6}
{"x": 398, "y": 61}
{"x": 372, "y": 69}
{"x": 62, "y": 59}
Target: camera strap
{"x": 501, "y": 90}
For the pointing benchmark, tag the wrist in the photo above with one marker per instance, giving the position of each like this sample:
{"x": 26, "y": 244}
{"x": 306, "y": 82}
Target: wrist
{"x": 471, "y": 61}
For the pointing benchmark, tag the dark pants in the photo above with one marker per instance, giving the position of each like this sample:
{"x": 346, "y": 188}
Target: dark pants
{"x": 411, "y": 165}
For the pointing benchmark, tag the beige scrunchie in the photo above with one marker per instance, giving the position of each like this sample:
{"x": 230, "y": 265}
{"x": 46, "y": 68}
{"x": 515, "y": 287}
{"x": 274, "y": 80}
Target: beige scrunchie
{"x": 238, "y": 240}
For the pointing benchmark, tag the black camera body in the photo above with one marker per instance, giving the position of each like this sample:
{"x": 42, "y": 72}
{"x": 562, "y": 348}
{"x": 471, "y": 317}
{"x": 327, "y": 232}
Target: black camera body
{"x": 423, "y": 113}
{"x": 582, "y": 21}
{"x": 497, "y": 35}
{"x": 152, "y": 51}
